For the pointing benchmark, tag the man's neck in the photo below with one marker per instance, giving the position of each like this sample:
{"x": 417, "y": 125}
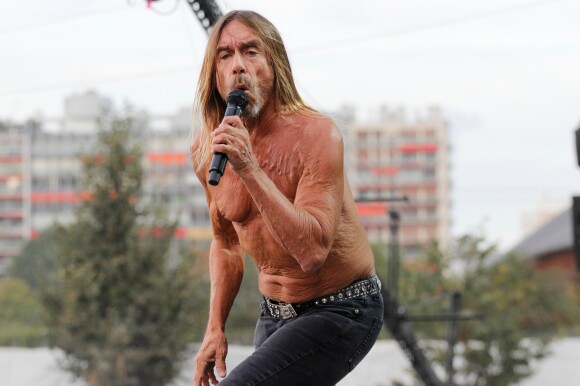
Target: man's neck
{"x": 260, "y": 124}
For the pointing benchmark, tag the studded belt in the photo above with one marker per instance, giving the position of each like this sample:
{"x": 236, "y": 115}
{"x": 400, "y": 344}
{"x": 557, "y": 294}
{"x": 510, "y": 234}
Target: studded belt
{"x": 358, "y": 289}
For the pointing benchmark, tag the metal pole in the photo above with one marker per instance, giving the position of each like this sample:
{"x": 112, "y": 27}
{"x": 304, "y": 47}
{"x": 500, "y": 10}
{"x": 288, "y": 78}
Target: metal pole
{"x": 454, "y": 309}
{"x": 402, "y": 331}
{"x": 394, "y": 259}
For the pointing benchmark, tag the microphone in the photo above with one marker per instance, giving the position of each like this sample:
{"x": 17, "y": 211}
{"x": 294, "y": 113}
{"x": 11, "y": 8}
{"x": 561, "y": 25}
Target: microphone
{"x": 237, "y": 102}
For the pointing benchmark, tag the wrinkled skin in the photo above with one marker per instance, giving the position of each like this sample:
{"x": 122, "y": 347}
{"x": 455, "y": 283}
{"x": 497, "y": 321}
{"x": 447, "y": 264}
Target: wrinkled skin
{"x": 283, "y": 199}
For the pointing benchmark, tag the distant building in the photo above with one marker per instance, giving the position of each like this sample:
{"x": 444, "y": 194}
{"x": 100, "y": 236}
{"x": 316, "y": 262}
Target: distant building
{"x": 551, "y": 246}
{"x": 40, "y": 173}
{"x": 169, "y": 179}
{"x": 81, "y": 112}
{"x": 14, "y": 190}
{"x": 396, "y": 157}
{"x": 546, "y": 209}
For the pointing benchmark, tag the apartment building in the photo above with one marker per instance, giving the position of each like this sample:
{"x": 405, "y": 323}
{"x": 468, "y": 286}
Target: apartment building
{"x": 40, "y": 173}
{"x": 169, "y": 179}
{"x": 397, "y": 157}
{"x": 14, "y": 188}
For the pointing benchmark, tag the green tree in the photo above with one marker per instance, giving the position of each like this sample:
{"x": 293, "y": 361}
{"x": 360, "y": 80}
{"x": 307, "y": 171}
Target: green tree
{"x": 524, "y": 309}
{"x": 20, "y": 315}
{"x": 36, "y": 264}
{"x": 120, "y": 308}
{"x": 31, "y": 272}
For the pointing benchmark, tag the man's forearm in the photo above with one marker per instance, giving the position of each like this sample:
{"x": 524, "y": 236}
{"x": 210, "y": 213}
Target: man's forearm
{"x": 226, "y": 272}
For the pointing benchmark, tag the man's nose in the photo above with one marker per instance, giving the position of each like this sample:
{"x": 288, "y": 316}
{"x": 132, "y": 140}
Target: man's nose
{"x": 239, "y": 65}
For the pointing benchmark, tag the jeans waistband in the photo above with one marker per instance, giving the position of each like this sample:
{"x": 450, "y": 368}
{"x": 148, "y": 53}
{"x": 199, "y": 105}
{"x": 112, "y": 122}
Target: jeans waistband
{"x": 358, "y": 289}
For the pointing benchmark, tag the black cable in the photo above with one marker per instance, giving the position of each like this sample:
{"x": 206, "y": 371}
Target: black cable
{"x": 166, "y": 13}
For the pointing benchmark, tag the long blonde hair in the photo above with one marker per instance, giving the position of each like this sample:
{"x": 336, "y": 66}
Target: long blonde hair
{"x": 209, "y": 105}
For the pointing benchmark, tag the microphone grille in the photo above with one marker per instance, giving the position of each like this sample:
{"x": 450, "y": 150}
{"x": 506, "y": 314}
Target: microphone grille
{"x": 238, "y": 98}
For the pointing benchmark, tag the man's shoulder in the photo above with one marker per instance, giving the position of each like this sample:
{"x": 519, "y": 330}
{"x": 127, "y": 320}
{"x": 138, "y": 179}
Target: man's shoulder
{"x": 314, "y": 133}
{"x": 313, "y": 123}
{"x": 312, "y": 117}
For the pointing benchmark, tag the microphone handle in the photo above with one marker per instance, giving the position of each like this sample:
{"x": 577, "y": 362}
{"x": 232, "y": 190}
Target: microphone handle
{"x": 219, "y": 160}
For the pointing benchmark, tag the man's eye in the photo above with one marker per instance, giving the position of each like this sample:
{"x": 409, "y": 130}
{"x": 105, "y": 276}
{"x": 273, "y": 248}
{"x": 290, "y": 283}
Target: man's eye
{"x": 224, "y": 56}
{"x": 252, "y": 53}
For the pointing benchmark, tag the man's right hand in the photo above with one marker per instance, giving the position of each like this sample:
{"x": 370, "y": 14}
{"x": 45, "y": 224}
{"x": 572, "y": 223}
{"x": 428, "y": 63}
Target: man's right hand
{"x": 212, "y": 353}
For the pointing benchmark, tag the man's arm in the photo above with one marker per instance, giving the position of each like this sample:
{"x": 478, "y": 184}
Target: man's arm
{"x": 226, "y": 272}
{"x": 305, "y": 228}
{"x": 225, "y": 257}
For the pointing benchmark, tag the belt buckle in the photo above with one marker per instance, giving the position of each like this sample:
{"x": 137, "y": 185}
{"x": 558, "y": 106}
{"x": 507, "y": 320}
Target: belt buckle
{"x": 287, "y": 311}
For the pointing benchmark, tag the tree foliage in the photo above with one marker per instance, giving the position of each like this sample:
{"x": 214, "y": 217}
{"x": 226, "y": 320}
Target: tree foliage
{"x": 20, "y": 314}
{"x": 31, "y": 272}
{"x": 120, "y": 308}
{"x": 523, "y": 309}
{"x": 36, "y": 264}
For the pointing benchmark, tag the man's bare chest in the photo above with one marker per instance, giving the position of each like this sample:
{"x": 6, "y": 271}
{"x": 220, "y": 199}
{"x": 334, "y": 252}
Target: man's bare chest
{"x": 235, "y": 201}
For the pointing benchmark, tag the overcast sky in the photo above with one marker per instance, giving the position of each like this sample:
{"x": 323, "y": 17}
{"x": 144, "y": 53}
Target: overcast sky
{"x": 506, "y": 74}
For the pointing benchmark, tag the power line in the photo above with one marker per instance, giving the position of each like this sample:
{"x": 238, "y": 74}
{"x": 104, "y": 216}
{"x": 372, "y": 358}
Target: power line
{"x": 113, "y": 79}
{"x": 319, "y": 47}
{"x": 188, "y": 32}
{"x": 514, "y": 187}
{"x": 60, "y": 19}
{"x": 422, "y": 27}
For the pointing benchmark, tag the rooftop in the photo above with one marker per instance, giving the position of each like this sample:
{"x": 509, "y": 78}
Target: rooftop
{"x": 554, "y": 236}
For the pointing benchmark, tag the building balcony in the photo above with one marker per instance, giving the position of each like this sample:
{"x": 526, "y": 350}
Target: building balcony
{"x": 11, "y": 196}
{"x": 10, "y": 234}
{"x": 11, "y": 215}
{"x": 10, "y": 158}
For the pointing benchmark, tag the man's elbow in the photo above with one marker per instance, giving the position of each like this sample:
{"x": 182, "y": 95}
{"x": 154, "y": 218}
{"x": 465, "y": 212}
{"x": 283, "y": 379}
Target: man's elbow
{"x": 314, "y": 262}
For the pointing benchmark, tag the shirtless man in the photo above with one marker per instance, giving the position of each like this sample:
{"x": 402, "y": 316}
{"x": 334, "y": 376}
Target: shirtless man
{"x": 284, "y": 200}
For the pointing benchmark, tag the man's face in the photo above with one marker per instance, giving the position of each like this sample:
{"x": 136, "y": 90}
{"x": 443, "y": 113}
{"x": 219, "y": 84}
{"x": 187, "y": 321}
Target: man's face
{"x": 243, "y": 63}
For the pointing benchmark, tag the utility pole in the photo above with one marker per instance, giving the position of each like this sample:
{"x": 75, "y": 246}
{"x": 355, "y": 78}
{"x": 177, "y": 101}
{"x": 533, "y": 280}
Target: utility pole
{"x": 398, "y": 322}
{"x": 401, "y": 330}
{"x": 393, "y": 263}
{"x": 399, "y": 327}
{"x": 454, "y": 307}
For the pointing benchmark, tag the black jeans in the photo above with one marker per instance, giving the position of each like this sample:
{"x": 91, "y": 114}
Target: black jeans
{"x": 316, "y": 348}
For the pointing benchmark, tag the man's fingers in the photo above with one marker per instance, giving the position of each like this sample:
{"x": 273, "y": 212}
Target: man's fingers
{"x": 232, "y": 120}
{"x": 200, "y": 381}
{"x": 203, "y": 373}
{"x": 220, "y": 365}
{"x": 211, "y": 357}
{"x": 206, "y": 380}
{"x": 212, "y": 378}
